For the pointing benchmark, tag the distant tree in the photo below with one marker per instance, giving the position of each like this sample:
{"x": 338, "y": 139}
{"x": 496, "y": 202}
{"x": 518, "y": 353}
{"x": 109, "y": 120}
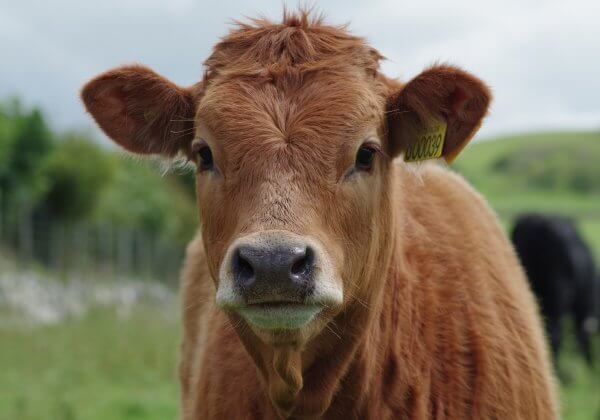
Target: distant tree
{"x": 140, "y": 198}
{"x": 63, "y": 196}
{"x": 76, "y": 173}
{"x": 25, "y": 143}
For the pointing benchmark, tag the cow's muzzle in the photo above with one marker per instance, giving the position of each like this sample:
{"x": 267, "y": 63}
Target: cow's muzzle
{"x": 277, "y": 280}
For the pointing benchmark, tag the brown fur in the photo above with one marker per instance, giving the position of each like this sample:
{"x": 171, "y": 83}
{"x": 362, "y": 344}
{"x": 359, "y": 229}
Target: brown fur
{"x": 437, "y": 319}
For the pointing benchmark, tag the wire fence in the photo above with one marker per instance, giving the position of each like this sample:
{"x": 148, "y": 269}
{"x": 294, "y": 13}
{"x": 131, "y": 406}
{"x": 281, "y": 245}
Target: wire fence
{"x": 112, "y": 251}
{"x": 105, "y": 249}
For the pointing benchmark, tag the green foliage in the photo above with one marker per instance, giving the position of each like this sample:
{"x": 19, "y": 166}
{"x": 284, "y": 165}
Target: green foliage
{"x": 6, "y": 146}
{"x": 77, "y": 173}
{"x": 140, "y": 197}
{"x": 70, "y": 178}
{"x": 25, "y": 142}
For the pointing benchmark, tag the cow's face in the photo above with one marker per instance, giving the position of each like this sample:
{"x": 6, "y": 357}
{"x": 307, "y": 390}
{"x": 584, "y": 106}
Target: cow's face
{"x": 293, "y": 167}
{"x": 291, "y": 181}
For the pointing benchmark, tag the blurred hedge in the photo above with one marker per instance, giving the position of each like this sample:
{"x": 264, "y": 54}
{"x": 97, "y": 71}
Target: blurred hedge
{"x": 552, "y": 167}
{"x": 68, "y": 177}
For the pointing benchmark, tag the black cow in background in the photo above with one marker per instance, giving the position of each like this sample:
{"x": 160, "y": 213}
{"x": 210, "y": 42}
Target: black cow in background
{"x": 561, "y": 271}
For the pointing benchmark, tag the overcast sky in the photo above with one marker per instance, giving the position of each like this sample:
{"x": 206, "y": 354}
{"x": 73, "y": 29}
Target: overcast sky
{"x": 541, "y": 58}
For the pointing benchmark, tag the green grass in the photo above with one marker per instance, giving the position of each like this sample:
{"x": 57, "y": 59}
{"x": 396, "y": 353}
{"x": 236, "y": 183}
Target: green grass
{"x": 98, "y": 367}
{"x": 580, "y": 396}
{"x": 103, "y": 367}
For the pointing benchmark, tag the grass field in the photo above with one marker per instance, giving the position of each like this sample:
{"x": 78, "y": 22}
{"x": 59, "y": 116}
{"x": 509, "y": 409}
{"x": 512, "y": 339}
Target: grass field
{"x": 109, "y": 365}
{"x": 98, "y": 367}
{"x": 103, "y": 366}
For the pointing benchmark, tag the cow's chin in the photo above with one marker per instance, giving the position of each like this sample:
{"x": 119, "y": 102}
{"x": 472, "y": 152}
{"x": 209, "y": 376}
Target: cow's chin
{"x": 280, "y": 315}
{"x": 286, "y": 326}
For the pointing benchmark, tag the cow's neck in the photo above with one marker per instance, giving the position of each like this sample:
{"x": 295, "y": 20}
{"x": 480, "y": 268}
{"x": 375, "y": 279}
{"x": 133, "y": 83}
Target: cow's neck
{"x": 302, "y": 384}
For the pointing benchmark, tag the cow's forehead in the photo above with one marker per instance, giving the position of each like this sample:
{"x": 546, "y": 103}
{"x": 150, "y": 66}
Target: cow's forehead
{"x": 323, "y": 111}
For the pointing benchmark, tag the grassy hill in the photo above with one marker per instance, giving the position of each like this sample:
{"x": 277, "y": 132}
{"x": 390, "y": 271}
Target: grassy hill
{"x": 557, "y": 172}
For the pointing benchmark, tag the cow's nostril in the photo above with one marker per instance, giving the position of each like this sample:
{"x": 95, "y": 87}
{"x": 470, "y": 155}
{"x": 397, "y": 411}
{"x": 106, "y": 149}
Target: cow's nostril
{"x": 304, "y": 263}
{"x": 243, "y": 269}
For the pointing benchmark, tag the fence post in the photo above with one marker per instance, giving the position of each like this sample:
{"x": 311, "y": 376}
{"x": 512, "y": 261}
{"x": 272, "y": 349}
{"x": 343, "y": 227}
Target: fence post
{"x": 124, "y": 246}
{"x": 25, "y": 231}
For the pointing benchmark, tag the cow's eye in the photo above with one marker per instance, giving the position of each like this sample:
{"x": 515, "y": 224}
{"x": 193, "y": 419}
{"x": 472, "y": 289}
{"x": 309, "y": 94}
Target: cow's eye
{"x": 365, "y": 157}
{"x": 205, "y": 157}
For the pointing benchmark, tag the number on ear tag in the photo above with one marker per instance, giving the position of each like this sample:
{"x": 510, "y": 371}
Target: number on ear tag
{"x": 429, "y": 144}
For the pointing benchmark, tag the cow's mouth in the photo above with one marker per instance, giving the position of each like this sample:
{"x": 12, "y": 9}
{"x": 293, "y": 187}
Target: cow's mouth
{"x": 279, "y": 315}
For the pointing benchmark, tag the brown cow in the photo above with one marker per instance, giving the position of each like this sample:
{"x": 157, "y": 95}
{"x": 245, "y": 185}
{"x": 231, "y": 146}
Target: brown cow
{"x": 328, "y": 281}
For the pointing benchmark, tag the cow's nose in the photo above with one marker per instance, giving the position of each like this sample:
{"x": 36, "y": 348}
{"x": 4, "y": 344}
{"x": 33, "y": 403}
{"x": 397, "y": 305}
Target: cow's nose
{"x": 279, "y": 273}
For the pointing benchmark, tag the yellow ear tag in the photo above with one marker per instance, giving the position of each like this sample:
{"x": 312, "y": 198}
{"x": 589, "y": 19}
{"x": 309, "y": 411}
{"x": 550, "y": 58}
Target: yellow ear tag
{"x": 429, "y": 144}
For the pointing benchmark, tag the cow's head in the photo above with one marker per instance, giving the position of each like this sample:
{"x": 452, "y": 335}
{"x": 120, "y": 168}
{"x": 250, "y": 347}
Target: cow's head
{"x": 292, "y": 131}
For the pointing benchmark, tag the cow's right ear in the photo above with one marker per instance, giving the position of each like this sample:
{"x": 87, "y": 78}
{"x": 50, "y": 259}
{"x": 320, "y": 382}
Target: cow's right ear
{"x": 141, "y": 110}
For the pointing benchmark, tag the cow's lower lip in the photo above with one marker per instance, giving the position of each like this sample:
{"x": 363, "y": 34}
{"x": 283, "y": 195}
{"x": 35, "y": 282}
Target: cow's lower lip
{"x": 279, "y": 315}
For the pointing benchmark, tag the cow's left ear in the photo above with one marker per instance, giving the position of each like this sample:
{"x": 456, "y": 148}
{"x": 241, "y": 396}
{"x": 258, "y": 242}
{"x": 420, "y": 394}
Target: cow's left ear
{"x": 441, "y": 95}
